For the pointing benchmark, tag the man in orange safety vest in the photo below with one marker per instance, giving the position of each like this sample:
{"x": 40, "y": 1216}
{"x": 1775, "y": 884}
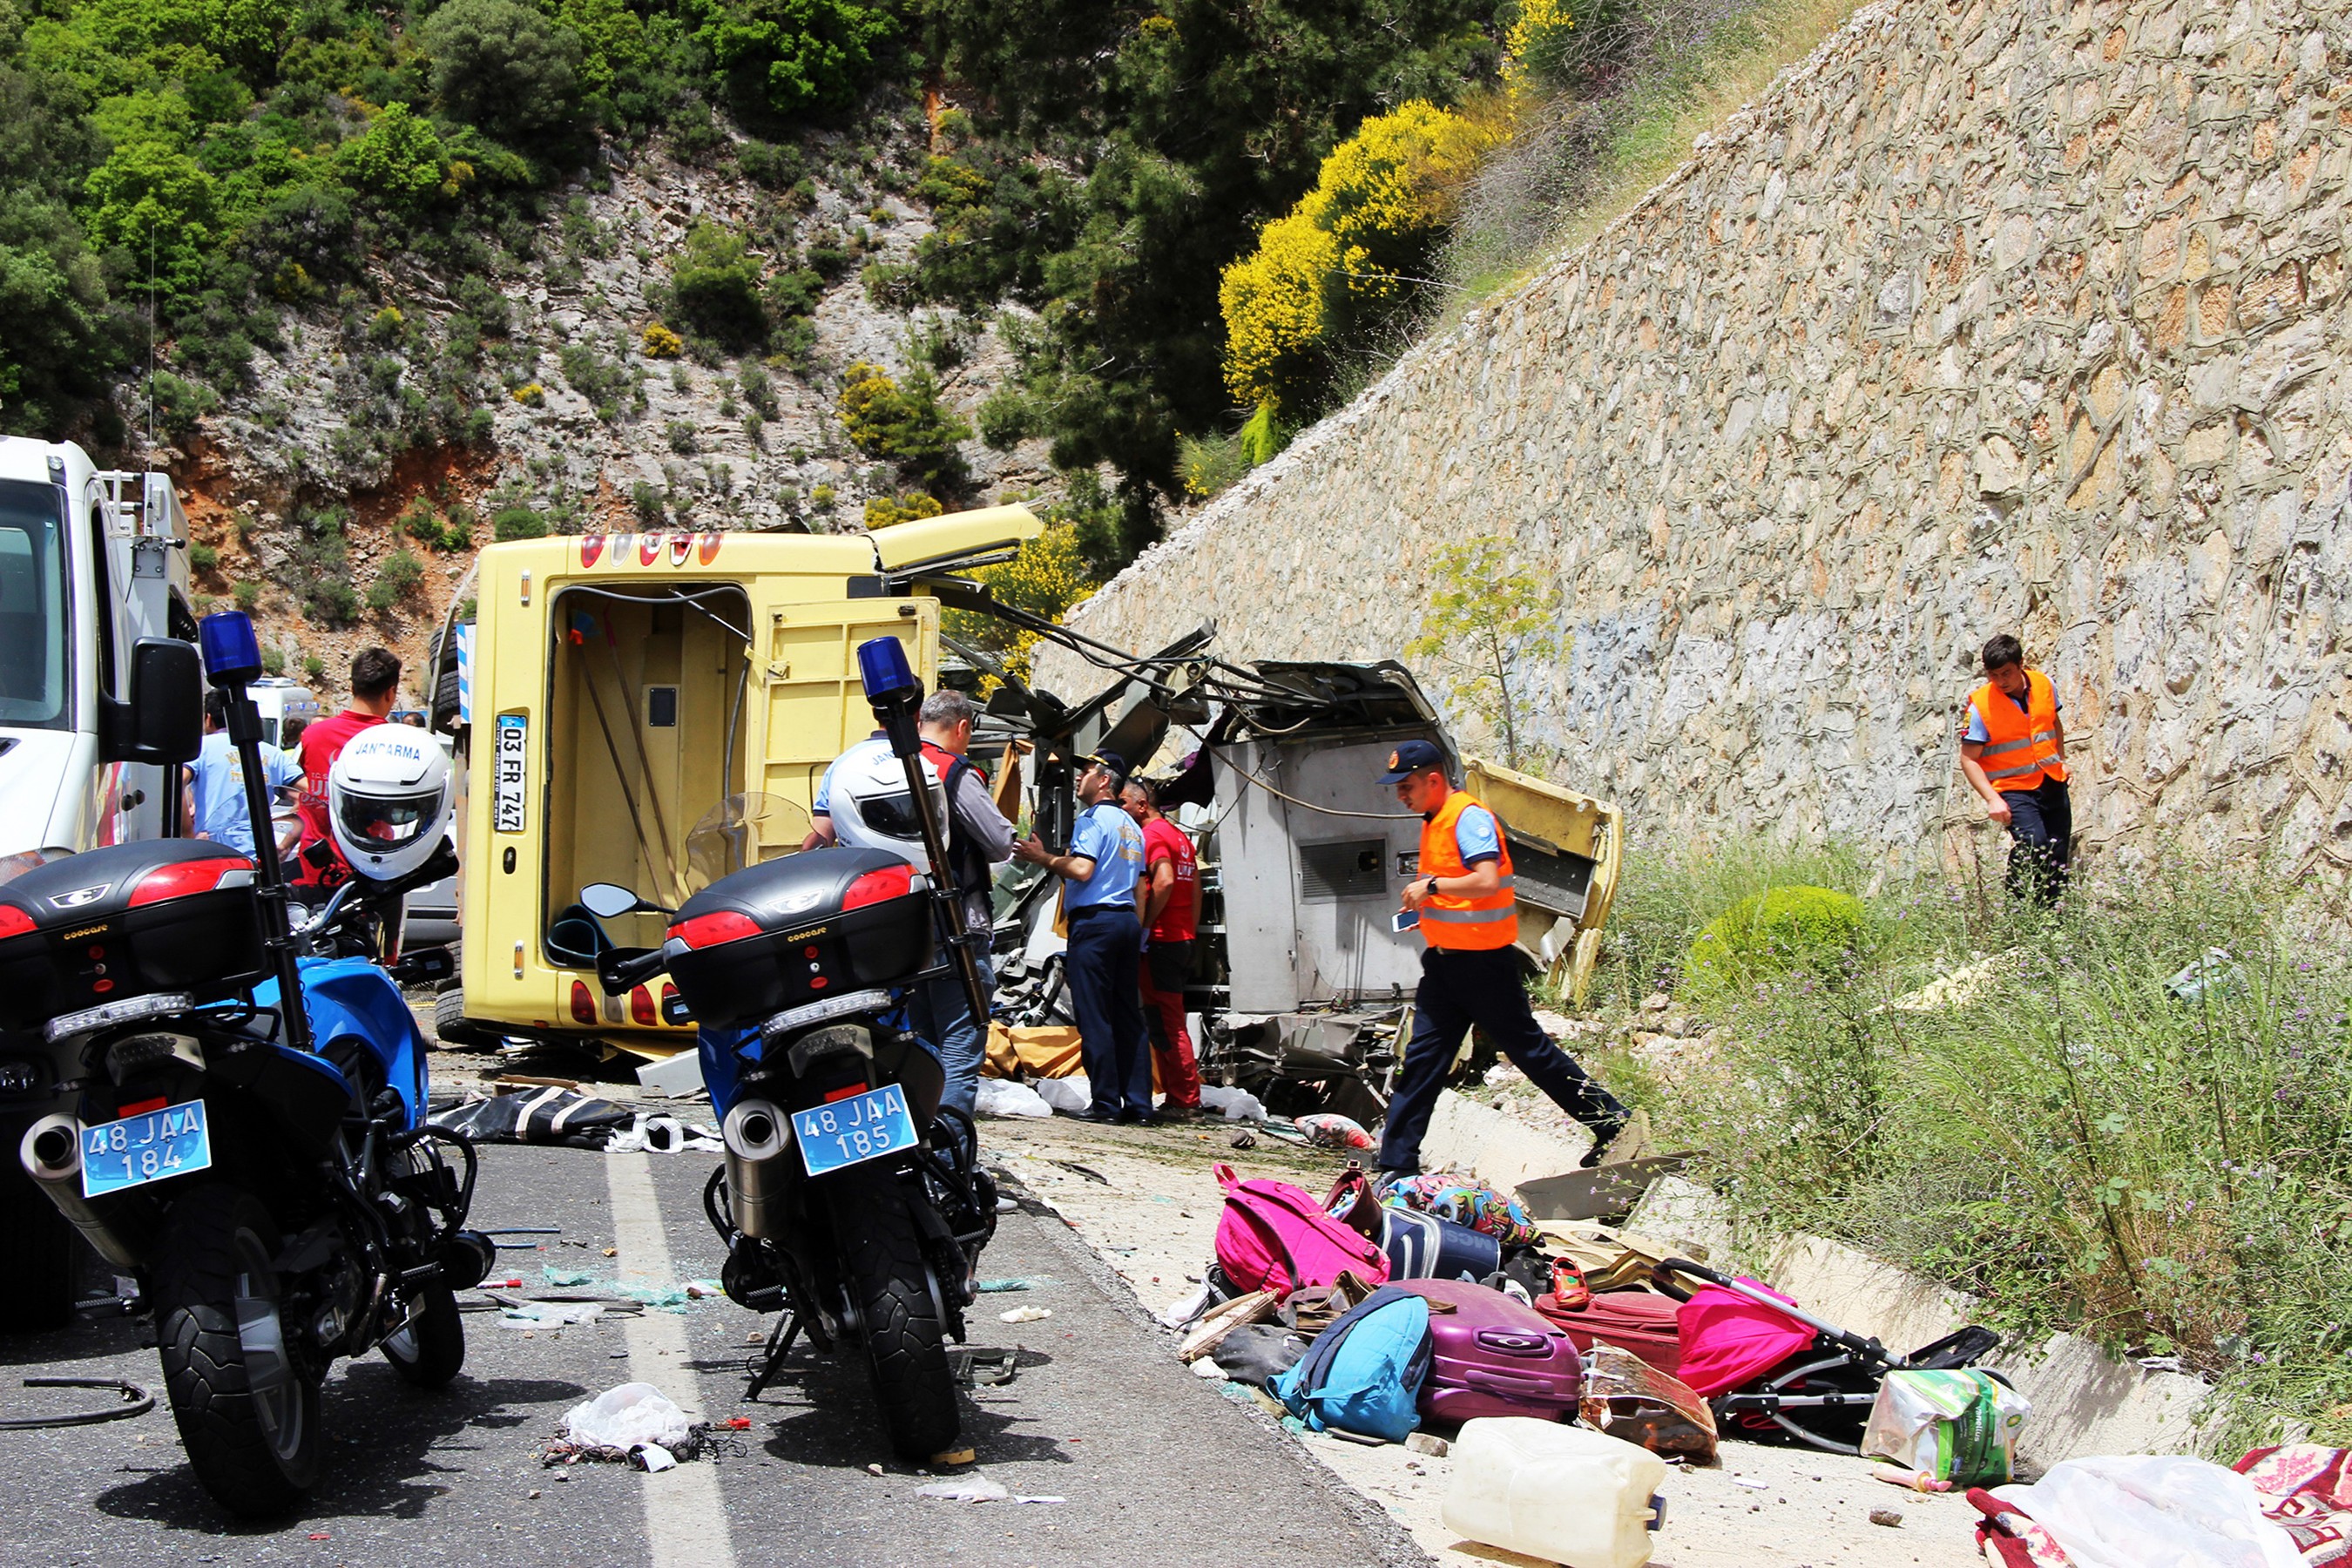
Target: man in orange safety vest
{"x": 2013, "y": 754}
{"x": 1468, "y": 916}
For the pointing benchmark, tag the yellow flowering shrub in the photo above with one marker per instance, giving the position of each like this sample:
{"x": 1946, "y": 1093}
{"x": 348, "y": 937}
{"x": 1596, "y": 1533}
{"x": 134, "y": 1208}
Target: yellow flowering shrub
{"x": 1353, "y": 247}
{"x": 881, "y": 511}
{"x": 1535, "y": 48}
{"x": 530, "y": 395}
{"x": 1046, "y": 578}
{"x": 659, "y": 342}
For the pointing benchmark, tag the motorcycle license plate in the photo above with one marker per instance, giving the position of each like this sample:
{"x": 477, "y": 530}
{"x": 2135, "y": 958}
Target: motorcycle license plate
{"x": 148, "y": 1147}
{"x": 852, "y": 1131}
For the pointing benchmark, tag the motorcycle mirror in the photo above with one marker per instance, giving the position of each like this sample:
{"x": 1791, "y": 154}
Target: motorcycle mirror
{"x": 609, "y": 900}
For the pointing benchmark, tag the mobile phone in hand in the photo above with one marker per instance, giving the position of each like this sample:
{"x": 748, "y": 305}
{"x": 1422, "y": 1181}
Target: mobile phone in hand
{"x": 1405, "y": 920}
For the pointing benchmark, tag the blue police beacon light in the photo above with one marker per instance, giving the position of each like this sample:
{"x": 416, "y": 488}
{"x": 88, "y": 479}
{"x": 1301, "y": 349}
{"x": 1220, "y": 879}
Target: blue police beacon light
{"x": 882, "y": 667}
{"x": 232, "y": 653}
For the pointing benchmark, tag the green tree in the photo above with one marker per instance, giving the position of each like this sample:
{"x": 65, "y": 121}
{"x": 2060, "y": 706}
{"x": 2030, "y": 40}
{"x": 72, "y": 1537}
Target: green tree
{"x": 1184, "y": 126}
{"x": 503, "y": 66}
{"x": 790, "y": 57}
{"x": 905, "y": 424}
{"x": 715, "y": 283}
{"x": 1487, "y": 623}
{"x": 399, "y": 159}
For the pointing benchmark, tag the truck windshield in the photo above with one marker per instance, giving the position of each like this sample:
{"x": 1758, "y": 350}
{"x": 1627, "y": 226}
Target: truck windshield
{"x": 33, "y": 668}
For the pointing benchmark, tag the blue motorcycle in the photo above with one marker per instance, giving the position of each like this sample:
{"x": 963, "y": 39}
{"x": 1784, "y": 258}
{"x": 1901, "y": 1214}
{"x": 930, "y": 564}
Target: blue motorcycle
{"x": 264, "y": 1172}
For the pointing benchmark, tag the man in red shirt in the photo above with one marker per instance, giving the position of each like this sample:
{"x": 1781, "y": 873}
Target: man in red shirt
{"x": 1169, "y": 902}
{"x": 375, "y": 682}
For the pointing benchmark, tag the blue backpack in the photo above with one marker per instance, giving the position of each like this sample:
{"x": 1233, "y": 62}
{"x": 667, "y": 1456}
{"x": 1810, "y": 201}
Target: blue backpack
{"x": 1363, "y": 1374}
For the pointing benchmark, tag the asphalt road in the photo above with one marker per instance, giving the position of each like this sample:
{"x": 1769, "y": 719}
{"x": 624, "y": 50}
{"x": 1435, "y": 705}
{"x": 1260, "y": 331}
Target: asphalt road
{"x": 1155, "y": 1466}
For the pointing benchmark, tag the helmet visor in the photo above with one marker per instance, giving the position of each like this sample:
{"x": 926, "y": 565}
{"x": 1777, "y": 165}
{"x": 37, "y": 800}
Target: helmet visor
{"x": 385, "y": 823}
{"x": 892, "y": 815}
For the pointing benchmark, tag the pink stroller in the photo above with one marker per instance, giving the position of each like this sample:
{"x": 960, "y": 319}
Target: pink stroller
{"x": 1770, "y": 1370}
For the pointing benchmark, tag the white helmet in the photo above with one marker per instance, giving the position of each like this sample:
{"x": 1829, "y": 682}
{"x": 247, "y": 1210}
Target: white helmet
{"x": 870, "y": 806}
{"x": 389, "y": 800}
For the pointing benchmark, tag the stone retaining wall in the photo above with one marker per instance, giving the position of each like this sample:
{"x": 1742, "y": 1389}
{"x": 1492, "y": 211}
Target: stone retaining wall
{"x": 2024, "y": 316}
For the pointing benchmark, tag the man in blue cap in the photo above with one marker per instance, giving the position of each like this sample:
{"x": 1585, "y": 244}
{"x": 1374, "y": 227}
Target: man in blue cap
{"x": 1469, "y": 917}
{"x": 1105, "y": 958}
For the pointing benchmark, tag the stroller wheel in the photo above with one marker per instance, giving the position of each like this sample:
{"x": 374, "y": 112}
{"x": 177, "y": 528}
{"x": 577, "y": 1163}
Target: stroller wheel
{"x": 1821, "y": 1400}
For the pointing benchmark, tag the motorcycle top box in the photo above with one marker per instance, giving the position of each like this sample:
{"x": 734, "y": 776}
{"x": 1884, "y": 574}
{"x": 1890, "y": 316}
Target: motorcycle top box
{"x": 799, "y": 930}
{"x": 111, "y": 925}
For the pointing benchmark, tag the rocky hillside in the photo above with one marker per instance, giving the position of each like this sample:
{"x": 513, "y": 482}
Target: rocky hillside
{"x": 588, "y": 426}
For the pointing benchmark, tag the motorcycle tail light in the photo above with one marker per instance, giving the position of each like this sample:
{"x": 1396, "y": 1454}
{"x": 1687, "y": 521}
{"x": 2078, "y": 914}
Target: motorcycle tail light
{"x": 711, "y": 930}
{"x": 668, "y": 999}
{"x": 583, "y": 1002}
{"x": 873, "y": 888}
{"x": 641, "y": 1008}
{"x": 14, "y": 921}
{"x": 187, "y": 876}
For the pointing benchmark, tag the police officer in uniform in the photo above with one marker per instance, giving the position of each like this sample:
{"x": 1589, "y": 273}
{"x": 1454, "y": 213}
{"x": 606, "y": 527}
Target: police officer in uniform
{"x": 1470, "y": 973}
{"x": 1104, "y": 958}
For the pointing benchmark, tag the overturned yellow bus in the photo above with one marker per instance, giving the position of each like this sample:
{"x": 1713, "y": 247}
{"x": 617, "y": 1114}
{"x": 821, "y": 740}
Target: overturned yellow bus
{"x": 656, "y": 709}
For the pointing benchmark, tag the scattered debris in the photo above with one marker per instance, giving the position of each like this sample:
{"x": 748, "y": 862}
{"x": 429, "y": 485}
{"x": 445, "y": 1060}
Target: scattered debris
{"x": 1088, "y": 1171}
{"x": 1887, "y": 1517}
{"x": 635, "y": 1424}
{"x": 134, "y": 1401}
{"x": 1425, "y": 1443}
{"x": 975, "y": 1488}
{"x": 1026, "y": 1315}
{"x": 976, "y": 1367}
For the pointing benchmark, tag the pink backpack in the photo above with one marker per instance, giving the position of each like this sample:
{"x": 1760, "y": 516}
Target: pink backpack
{"x": 1275, "y": 1236}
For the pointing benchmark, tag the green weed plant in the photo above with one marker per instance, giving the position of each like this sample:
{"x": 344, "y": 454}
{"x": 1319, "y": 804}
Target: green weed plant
{"x": 2020, "y": 1104}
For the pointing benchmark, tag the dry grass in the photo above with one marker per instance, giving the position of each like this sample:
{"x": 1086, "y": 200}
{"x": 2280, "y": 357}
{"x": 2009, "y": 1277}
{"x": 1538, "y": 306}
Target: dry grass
{"x": 1580, "y": 161}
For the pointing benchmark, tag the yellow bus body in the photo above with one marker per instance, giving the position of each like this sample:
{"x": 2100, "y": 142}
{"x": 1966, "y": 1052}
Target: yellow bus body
{"x": 625, "y": 685}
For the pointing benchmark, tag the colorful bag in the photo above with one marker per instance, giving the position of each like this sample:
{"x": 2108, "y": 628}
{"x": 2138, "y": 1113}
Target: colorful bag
{"x": 1465, "y": 1200}
{"x": 1419, "y": 1246}
{"x": 1363, "y": 1374}
{"x": 1274, "y": 1237}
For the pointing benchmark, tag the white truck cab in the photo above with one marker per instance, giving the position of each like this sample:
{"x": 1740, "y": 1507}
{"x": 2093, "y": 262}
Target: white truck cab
{"x": 92, "y": 560}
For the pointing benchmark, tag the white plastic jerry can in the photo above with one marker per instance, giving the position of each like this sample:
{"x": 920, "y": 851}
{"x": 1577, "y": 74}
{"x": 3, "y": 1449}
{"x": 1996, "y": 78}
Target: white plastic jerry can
{"x": 1561, "y": 1493}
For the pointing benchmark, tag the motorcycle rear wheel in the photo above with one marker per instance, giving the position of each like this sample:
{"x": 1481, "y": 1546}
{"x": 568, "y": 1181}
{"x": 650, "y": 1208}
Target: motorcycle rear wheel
{"x": 905, "y": 1343}
{"x": 431, "y": 1350}
{"x": 248, "y": 1416}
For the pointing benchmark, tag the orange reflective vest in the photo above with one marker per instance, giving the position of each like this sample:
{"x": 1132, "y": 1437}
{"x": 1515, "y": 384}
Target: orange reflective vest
{"x": 2020, "y": 745}
{"x": 1450, "y": 920}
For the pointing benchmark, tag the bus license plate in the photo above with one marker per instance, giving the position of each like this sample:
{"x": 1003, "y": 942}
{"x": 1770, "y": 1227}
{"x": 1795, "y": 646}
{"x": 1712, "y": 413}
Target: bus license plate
{"x": 510, "y": 774}
{"x": 148, "y": 1147}
{"x": 850, "y": 1132}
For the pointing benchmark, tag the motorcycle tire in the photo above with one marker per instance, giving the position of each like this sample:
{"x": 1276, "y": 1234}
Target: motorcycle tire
{"x": 431, "y": 1350}
{"x": 891, "y": 1283}
{"x": 39, "y": 1243}
{"x": 248, "y": 1417}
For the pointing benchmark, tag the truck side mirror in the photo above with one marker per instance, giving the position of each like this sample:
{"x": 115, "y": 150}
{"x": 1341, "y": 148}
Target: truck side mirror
{"x": 163, "y": 721}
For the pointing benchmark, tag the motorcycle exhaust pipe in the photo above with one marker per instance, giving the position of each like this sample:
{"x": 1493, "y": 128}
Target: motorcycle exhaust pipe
{"x": 51, "y": 1154}
{"x": 758, "y": 1134}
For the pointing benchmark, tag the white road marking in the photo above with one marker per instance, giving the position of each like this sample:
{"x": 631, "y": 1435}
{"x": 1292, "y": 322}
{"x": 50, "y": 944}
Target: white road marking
{"x": 686, "y": 1519}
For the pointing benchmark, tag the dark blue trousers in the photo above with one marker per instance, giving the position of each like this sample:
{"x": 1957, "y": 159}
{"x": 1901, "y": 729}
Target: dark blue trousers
{"x": 1460, "y": 989}
{"x": 1105, "y": 963}
{"x": 2041, "y": 833}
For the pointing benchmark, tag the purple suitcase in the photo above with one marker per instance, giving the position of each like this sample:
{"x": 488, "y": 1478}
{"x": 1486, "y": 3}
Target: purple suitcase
{"x": 1495, "y": 1356}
